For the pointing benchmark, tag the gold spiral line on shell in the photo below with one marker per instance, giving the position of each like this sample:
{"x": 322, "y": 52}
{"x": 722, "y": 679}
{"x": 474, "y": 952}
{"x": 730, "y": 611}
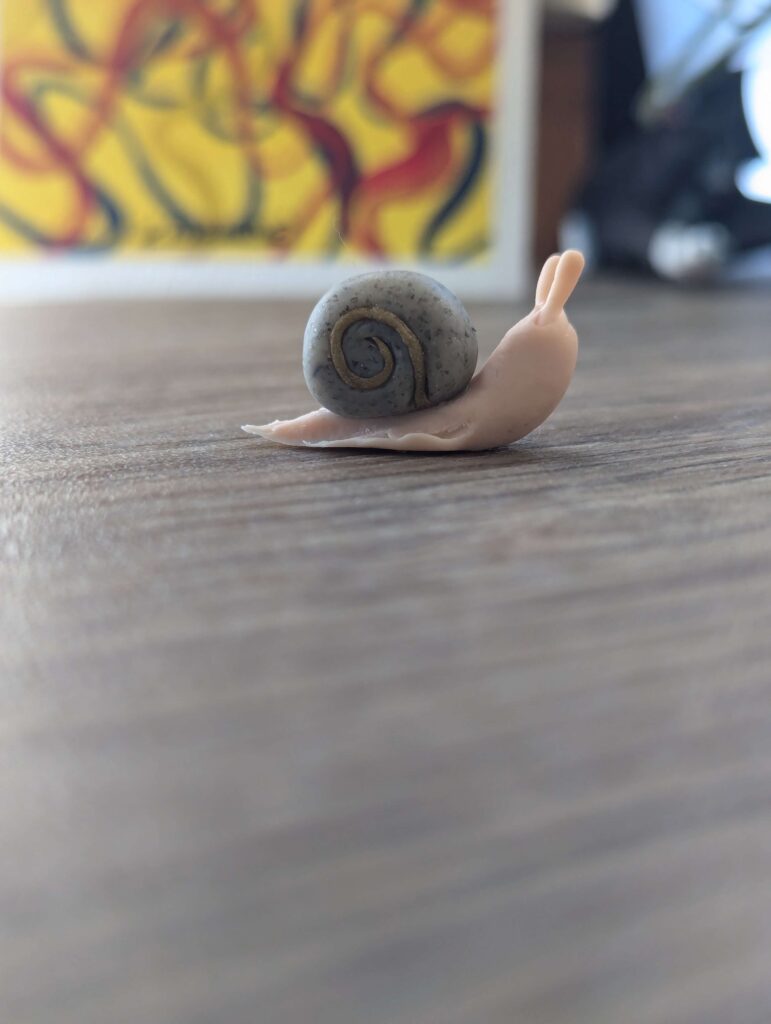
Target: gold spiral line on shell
{"x": 411, "y": 342}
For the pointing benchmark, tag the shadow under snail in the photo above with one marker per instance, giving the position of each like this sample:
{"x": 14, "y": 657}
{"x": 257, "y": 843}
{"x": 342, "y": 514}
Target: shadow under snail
{"x": 391, "y": 355}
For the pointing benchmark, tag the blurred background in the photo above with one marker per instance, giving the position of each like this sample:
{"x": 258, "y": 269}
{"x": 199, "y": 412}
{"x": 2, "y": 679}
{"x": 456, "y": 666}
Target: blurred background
{"x": 246, "y": 146}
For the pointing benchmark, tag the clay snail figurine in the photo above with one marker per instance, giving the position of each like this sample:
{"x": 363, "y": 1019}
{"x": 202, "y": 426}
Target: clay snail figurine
{"x": 391, "y": 355}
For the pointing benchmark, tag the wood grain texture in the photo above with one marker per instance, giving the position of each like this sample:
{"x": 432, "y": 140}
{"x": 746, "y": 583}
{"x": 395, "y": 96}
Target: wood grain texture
{"x": 293, "y": 737}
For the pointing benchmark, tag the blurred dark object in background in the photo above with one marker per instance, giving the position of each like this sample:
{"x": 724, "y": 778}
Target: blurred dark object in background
{"x": 667, "y": 200}
{"x": 591, "y": 73}
{"x": 620, "y": 76}
{"x": 567, "y": 123}
{"x": 679, "y": 185}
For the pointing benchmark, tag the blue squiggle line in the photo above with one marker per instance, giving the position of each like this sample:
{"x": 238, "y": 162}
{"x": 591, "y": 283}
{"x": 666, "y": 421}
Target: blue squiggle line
{"x": 30, "y": 233}
{"x": 185, "y": 222}
{"x": 462, "y": 190}
{"x": 67, "y": 31}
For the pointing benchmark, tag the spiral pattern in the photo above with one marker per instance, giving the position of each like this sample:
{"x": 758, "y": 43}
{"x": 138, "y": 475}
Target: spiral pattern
{"x": 392, "y": 329}
{"x": 386, "y": 344}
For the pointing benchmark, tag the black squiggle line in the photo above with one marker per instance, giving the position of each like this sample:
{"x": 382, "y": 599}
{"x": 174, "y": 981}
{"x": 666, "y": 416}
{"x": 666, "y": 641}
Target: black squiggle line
{"x": 462, "y": 190}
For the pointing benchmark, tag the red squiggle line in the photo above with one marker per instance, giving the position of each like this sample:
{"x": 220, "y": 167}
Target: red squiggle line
{"x": 67, "y": 157}
{"x": 425, "y": 167}
{"x": 429, "y": 163}
{"x": 120, "y": 64}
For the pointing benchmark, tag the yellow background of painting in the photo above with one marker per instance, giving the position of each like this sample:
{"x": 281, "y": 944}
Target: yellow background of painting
{"x": 208, "y": 177}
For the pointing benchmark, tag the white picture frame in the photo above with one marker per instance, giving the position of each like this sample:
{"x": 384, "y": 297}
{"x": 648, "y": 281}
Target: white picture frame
{"x": 504, "y": 275}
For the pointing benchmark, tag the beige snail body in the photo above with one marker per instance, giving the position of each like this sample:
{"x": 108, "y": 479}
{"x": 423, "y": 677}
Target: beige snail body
{"x": 516, "y": 390}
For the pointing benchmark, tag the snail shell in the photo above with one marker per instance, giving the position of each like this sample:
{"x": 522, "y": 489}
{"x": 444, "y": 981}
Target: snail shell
{"x": 388, "y": 343}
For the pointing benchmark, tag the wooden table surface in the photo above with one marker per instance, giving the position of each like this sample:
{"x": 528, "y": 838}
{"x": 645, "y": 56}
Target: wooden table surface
{"x": 301, "y": 737}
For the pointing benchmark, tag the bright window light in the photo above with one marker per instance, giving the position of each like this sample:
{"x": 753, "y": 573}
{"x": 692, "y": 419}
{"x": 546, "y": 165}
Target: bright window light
{"x": 754, "y": 178}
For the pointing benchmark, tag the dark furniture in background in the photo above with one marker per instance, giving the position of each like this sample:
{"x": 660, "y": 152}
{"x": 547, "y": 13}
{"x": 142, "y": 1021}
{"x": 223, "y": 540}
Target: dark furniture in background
{"x": 590, "y": 76}
{"x": 567, "y": 123}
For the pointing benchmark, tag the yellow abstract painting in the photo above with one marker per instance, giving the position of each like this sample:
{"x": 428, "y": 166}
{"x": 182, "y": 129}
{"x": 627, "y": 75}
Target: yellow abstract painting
{"x": 308, "y": 129}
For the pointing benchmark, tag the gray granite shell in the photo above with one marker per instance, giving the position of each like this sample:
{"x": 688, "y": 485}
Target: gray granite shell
{"x": 425, "y": 328}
